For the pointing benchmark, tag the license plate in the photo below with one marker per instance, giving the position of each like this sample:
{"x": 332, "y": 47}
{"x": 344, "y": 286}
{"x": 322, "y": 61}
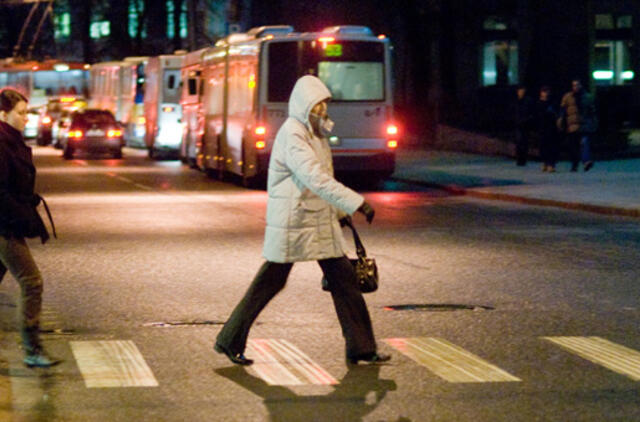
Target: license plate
{"x": 95, "y": 132}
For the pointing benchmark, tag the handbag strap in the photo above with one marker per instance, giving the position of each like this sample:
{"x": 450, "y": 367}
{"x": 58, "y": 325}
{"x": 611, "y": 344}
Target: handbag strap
{"x": 359, "y": 246}
{"x": 46, "y": 208}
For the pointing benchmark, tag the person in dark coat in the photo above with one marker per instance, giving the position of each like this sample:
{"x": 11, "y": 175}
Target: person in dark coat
{"x": 524, "y": 124}
{"x": 19, "y": 219}
{"x": 304, "y": 208}
{"x": 546, "y": 124}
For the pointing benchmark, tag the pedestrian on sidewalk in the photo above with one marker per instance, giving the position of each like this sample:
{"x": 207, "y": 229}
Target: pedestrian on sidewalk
{"x": 525, "y": 115}
{"x": 580, "y": 123}
{"x": 546, "y": 120}
{"x": 19, "y": 219}
{"x": 304, "y": 210}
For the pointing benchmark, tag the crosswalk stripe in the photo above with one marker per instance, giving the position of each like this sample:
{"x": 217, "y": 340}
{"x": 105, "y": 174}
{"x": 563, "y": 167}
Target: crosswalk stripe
{"x": 448, "y": 361}
{"x": 112, "y": 363}
{"x": 600, "y": 351}
{"x": 279, "y": 362}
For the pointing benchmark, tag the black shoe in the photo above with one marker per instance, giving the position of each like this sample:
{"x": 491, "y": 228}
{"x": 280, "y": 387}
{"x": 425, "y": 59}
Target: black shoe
{"x": 237, "y": 358}
{"x": 588, "y": 165}
{"x": 368, "y": 358}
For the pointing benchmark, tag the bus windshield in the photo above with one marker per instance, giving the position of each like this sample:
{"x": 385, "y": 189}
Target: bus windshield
{"x": 352, "y": 70}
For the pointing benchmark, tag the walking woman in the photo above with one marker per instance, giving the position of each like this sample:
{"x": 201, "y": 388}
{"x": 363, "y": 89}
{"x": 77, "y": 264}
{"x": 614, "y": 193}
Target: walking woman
{"x": 304, "y": 207}
{"x": 19, "y": 219}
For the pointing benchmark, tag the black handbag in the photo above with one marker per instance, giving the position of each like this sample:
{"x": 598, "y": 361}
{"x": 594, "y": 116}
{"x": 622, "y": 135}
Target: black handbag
{"x": 366, "y": 268}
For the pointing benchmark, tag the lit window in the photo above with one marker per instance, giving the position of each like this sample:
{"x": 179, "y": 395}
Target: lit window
{"x": 136, "y": 7}
{"x": 183, "y": 21}
{"x": 62, "y": 24}
{"x": 170, "y": 23}
{"x": 100, "y": 29}
{"x": 500, "y": 66}
{"x": 612, "y": 64}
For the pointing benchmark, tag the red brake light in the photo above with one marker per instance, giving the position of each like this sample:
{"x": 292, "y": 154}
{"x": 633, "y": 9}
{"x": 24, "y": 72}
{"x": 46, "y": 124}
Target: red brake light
{"x": 75, "y": 134}
{"x": 260, "y": 130}
{"x": 392, "y": 130}
{"x": 114, "y": 133}
{"x": 392, "y": 144}
{"x": 260, "y": 145}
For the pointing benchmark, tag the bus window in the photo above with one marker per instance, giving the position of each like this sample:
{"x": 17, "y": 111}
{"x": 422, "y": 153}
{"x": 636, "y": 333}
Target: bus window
{"x": 352, "y": 70}
{"x": 192, "y": 86}
{"x": 353, "y": 81}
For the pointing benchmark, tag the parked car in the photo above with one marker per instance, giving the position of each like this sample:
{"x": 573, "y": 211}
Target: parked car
{"x": 92, "y": 131}
{"x": 31, "y": 129}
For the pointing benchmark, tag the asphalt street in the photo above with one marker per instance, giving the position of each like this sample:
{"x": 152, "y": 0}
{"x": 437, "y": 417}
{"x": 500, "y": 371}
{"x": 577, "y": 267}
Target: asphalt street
{"x": 492, "y": 311}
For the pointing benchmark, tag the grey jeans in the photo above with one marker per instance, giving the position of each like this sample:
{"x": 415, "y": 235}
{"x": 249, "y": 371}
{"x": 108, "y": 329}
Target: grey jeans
{"x": 15, "y": 257}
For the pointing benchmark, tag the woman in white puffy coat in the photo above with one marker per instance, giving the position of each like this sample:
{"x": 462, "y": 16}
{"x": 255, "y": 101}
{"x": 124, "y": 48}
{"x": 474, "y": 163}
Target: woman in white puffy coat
{"x": 303, "y": 211}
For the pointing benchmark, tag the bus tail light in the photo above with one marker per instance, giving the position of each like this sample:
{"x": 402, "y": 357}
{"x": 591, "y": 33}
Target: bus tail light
{"x": 392, "y": 136}
{"x": 260, "y": 131}
{"x": 260, "y": 144}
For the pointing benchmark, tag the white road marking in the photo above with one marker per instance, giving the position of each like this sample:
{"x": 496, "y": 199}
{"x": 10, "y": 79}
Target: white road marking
{"x": 112, "y": 364}
{"x": 448, "y": 361}
{"x": 600, "y": 351}
{"x": 279, "y": 362}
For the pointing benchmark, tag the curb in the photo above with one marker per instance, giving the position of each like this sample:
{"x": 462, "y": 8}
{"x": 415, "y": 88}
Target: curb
{"x": 576, "y": 206}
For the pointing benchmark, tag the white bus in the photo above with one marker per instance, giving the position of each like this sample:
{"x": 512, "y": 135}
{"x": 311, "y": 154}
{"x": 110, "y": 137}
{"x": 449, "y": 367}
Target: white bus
{"x": 41, "y": 81}
{"x": 191, "y": 102}
{"x": 247, "y": 82}
{"x": 116, "y": 86}
{"x": 162, "y": 111}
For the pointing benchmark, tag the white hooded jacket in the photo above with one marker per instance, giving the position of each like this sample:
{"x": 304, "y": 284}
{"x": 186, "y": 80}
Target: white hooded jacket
{"x": 305, "y": 201}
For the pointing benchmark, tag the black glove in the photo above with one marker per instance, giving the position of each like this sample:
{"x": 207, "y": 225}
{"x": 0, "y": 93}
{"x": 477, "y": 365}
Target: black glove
{"x": 345, "y": 220}
{"x": 367, "y": 210}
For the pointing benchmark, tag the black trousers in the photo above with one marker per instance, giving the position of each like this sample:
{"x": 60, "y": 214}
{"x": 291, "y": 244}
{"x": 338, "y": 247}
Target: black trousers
{"x": 271, "y": 279}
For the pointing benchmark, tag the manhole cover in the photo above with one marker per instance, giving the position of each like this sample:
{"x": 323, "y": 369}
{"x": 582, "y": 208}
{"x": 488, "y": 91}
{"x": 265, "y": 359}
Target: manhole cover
{"x": 438, "y": 307}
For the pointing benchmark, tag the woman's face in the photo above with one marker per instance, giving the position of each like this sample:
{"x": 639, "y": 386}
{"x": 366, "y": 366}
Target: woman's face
{"x": 16, "y": 117}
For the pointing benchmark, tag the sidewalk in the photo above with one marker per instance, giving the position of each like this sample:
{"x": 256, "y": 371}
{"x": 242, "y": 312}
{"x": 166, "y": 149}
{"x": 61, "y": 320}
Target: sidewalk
{"x": 610, "y": 187}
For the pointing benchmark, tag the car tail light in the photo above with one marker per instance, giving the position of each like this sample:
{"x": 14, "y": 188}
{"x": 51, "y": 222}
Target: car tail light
{"x": 168, "y": 109}
{"x": 46, "y": 120}
{"x": 75, "y": 134}
{"x": 114, "y": 133}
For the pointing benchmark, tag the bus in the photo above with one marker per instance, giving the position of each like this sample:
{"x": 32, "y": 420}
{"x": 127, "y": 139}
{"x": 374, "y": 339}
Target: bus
{"x": 42, "y": 80}
{"x": 248, "y": 78}
{"x": 118, "y": 87}
{"x": 191, "y": 102}
{"x": 162, "y": 110}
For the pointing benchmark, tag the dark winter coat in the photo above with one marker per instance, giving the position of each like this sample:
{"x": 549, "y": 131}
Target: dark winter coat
{"x": 18, "y": 201}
